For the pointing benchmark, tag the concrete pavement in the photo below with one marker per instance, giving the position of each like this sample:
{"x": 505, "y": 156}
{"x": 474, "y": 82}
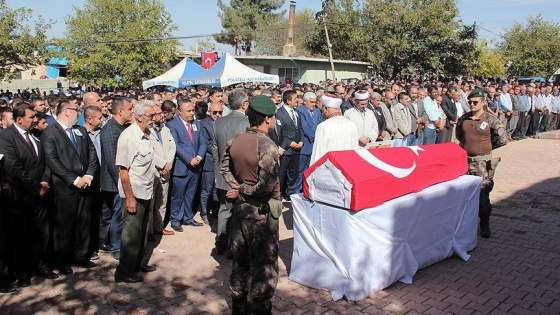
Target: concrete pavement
{"x": 514, "y": 272}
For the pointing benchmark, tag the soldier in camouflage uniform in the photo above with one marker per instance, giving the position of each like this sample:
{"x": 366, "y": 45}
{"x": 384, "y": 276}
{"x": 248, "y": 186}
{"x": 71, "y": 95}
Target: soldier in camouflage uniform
{"x": 478, "y": 133}
{"x": 250, "y": 166}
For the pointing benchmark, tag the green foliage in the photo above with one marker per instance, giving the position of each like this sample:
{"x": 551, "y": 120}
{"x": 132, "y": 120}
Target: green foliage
{"x": 204, "y": 44}
{"x": 532, "y": 49}
{"x": 399, "y": 36}
{"x": 102, "y": 44}
{"x": 348, "y": 36}
{"x": 491, "y": 62}
{"x": 271, "y": 36}
{"x": 243, "y": 17}
{"x": 21, "y": 46}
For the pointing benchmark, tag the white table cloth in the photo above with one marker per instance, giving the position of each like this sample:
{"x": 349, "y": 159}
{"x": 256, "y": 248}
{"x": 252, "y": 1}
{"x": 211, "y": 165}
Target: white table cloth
{"x": 354, "y": 254}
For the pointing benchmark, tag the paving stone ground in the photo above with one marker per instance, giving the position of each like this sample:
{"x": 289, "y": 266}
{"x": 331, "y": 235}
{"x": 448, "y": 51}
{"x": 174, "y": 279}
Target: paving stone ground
{"x": 517, "y": 271}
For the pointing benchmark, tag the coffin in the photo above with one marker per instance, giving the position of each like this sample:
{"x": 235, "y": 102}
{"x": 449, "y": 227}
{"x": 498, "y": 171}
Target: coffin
{"x": 362, "y": 178}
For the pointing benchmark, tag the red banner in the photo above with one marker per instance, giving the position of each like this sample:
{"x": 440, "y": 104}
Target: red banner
{"x": 209, "y": 59}
{"x": 360, "y": 179}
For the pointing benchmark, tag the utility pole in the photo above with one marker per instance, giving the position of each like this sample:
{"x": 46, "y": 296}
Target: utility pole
{"x": 330, "y": 49}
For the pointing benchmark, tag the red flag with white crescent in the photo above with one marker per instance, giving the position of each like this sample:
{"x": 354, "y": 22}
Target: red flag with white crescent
{"x": 209, "y": 59}
{"x": 360, "y": 179}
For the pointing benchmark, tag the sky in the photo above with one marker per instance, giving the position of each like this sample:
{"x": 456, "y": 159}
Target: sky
{"x": 200, "y": 17}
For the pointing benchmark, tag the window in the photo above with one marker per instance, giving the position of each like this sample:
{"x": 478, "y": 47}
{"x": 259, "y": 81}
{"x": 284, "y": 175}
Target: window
{"x": 292, "y": 73}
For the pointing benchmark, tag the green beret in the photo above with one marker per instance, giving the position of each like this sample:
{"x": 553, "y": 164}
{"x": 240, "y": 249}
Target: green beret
{"x": 476, "y": 93}
{"x": 262, "y": 105}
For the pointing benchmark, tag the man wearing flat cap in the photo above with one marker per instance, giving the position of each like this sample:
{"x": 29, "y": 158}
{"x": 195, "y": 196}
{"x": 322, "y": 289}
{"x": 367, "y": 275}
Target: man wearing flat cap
{"x": 478, "y": 133}
{"x": 250, "y": 167}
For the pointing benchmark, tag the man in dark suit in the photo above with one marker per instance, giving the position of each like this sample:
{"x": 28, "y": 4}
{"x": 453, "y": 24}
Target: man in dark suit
{"x": 207, "y": 117}
{"x": 110, "y": 228}
{"x": 71, "y": 157}
{"x": 311, "y": 116}
{"x": 25, "y": 183}
{"x": 225, "y": 129}
{"x": 449, "y": 107}
{"x": 191, "y": 149}
{"x": 292, "y": 135}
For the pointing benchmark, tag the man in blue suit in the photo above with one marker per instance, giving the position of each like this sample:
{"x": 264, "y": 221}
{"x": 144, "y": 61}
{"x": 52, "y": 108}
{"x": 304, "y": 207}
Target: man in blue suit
{"x": 191, "y": 148}
{"x": 310, "y": 117}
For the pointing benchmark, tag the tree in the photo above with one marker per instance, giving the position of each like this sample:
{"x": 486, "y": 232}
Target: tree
{"x": 242, "y": 17}
{"x": 22, "y": 46}
{"x": 532, "y": 49}
{"x": 271, "y": 36}
{"x": 491, "y": 62}
{"x": 399, "y": 36}
{"x": 202, "y": 45}
{"x": 344, "y": 19}
{"x": 112, "y": 42}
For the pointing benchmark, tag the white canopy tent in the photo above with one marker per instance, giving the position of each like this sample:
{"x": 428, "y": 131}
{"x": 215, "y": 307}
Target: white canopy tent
{"x": 228, "y": 71}
{"x": 185, "y": 67}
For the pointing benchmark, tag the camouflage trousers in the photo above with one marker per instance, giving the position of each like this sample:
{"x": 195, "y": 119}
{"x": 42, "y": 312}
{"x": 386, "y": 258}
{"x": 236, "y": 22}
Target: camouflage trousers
{"x": 255, "y": 257}
{"x": 484, "y": 169}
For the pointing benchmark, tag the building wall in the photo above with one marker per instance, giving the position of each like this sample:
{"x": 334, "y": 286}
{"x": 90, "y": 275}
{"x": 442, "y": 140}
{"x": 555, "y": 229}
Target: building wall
{"x": 309, "y": 71}
{"x": 39, "y": 72}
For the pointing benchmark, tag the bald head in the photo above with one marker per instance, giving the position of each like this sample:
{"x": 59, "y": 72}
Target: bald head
{"x": 92, "y": 99}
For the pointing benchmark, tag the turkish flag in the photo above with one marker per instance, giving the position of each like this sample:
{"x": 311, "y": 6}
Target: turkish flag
{"x": 209, "y": 59}
{"x": 360, "y": 179}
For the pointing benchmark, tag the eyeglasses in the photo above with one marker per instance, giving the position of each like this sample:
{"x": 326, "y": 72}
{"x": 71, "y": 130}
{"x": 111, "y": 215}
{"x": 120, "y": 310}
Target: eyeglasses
{"x": 151, "y": 115}
{"x": 473, "y": 102}
{"x": 216, "y": 112}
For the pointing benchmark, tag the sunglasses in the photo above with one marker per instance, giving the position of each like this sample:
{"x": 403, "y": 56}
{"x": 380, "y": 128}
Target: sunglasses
{"x": 473, "y": 102}
{"x": 74, "y": 109}
{"x": 216, "y": 112}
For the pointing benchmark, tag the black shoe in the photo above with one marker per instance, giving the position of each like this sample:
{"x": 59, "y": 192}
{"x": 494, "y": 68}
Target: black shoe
{"x": 8, "y": 289}
{"x": 116, "y": 255}
{"x": 205, "y": 220}
{"x": 94, "y": 256}
{"x": 177, "y": 228}
{"x": 104, "y": 248}
{"x": 85, "y": 264}
{"x": 24, "y": 281}
{"x": 128, "y": 279}
{"x": 47, "y": 274}
{"x": 194, "y": 223}
{"x": 146, "y": 268}
{"x": 65, "y": 269}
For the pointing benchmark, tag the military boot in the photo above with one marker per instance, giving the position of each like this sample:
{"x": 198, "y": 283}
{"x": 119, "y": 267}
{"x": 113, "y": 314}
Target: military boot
{"x": 485, "y": 228}
{"x": 239, "y": 306}
{"x": 266, "y": 311}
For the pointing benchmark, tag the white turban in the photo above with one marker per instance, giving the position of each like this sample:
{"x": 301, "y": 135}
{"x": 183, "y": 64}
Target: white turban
{"x": 333, "y": 102}
{"x": 361, "y": 95}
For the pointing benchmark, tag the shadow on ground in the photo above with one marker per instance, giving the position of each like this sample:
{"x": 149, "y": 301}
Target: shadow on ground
{"x": 514, "y": 272}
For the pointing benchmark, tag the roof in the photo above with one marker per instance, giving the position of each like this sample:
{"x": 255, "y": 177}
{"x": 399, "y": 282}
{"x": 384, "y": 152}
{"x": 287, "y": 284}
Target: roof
{"x": 312, "y": 59}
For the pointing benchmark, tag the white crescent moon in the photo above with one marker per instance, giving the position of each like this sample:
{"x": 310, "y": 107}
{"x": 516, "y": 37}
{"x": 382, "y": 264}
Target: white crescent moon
{"x": 395, "y": 171}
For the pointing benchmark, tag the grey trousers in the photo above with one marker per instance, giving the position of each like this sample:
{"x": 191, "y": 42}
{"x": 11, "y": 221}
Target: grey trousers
{"x": 159, "y": 205}
{"x": 224, "y": 215}
{"x": 134, "y": 237}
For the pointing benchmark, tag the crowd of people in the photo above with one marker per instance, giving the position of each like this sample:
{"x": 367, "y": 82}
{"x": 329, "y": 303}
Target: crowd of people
{"x": 107, "y": 170}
